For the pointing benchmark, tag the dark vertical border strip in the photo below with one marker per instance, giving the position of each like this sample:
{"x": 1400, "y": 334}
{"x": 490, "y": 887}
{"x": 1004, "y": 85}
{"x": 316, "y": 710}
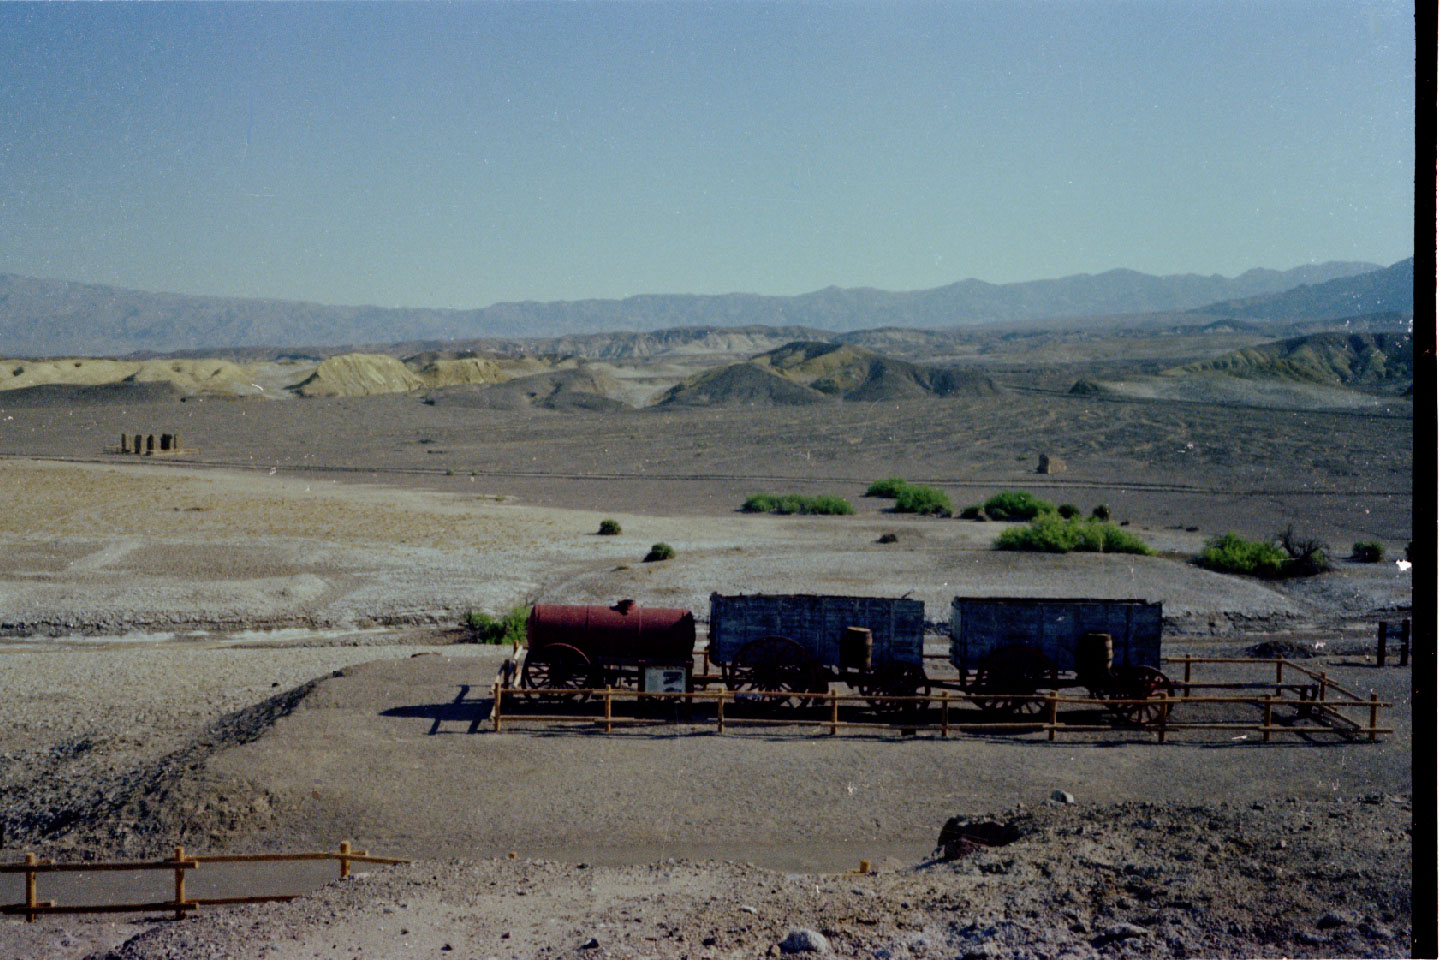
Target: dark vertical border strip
{"x": 1425, "y": 892}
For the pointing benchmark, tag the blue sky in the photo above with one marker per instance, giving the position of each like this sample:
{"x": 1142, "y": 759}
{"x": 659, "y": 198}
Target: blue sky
{"x": 459, "y": 155}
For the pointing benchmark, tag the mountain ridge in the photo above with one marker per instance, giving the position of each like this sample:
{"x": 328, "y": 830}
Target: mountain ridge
{"x": 41, "y": 317}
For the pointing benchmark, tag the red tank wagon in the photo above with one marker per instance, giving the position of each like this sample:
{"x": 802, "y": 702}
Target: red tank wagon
{"x": 588, "y": 647}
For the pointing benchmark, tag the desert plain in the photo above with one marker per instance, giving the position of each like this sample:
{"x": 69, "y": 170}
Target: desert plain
{"x": 255, "y": 645}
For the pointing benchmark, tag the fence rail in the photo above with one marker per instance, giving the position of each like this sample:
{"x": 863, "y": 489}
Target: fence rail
{"x": 32, "y": 867}
{"x": 1312, "y": 701}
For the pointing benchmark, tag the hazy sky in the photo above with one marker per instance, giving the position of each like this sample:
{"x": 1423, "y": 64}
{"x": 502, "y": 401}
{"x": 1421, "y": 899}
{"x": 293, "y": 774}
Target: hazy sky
{"x": 457, "y": 155}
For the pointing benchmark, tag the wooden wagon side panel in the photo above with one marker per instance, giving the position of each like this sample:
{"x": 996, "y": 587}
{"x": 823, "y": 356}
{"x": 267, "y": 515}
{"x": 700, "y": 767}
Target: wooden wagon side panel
{"x": 818, "y": 623}
{"x": 979, "y": 627}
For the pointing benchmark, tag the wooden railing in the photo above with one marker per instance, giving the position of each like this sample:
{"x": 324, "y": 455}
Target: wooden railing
{"x": 181, "y": 862}
{"x": 822, "y": 710}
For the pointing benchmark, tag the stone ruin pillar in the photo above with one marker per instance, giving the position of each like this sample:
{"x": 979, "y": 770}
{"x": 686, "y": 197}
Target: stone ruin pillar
{"x": 139, "y": 444}
{"x": 124, "y": 443}
{"x": 166, "y": 443}
{"x": 150, "y": 445}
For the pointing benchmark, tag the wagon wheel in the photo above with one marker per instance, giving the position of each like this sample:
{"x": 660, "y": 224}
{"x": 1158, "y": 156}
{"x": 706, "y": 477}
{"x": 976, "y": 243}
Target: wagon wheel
{"x": 896, "y": 680}
{"x": 1141, "y": 683}
{"x": 774, "y": 664}
{"x": 1009, "y": 678}
{"x": 557, "y": 666}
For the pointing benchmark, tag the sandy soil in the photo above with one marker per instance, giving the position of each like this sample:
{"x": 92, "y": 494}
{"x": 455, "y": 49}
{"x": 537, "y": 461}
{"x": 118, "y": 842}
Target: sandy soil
{"x": 372, "y": 517}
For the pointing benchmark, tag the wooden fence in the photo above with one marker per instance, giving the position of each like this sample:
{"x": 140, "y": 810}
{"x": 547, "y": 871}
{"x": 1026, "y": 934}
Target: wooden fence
{"x": 33, "y": 907}
{"x": 1316, "y": 698}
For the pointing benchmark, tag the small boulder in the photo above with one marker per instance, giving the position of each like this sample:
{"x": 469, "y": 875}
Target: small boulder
{"x": 1060, "y": 796}
{"x": 1049, "y": 464}
{"x": 804, "y": 940}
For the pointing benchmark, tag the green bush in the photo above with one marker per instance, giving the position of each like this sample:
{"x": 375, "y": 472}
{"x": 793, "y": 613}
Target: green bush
{"x": 1368, "y": 551}
{"x": 972, "y": 512}
{"x": 1101, "y": 512}
{"x": 792, "y": 503}
{"x": 1068, "y": 510}
{"x": 1016, "y": 505}
{"x": 660, "y": 551}
{"x": 888, "y": 487}
{"x": 922, "y": 500}
{"x": 509, "y": 627}
{"x": 609, "y": 528}
{"x": 1051, "y": 533}
{"x": 1234, "y": 554}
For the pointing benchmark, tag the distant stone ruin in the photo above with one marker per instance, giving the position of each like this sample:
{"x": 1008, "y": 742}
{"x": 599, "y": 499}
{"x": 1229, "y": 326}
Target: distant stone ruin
{"x": 148, "y": 445}
{"x": 1049, "y": 464}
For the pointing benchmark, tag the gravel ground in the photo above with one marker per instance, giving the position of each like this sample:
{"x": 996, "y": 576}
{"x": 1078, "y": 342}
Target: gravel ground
{"x": 1131, "y": 880}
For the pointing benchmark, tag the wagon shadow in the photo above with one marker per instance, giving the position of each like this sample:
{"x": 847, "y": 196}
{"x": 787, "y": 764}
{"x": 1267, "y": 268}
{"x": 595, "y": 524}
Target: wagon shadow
{"x": 462, "y": 710}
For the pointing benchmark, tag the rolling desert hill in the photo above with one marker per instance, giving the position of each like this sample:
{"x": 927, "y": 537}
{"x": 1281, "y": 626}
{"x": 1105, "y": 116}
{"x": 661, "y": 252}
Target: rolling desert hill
{"x": 1376, "y": 362}
{"x": 41, "y": 317}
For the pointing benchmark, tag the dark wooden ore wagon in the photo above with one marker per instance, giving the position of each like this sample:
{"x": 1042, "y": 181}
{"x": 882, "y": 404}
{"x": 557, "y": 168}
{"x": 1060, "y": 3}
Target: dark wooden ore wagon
{"x": 588, "y": 647}
{"x": 1008, "y": 651}
{"x": 801, "y": 643}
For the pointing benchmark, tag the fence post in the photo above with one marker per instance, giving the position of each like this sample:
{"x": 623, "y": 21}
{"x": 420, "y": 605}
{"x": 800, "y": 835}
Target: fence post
{"x": 1269, "y": 716}
{"x": 344, "y": 859}
{"x": 607, "y": 708}
{"x": 945, "y": 713}
{"x": 834, "y": 713}
{"x": 720, "y": 712}
{"x": 1279, "y": 672}
{"x": 1374, "y": 716}
{"x": 1405, "y": 642}
{"x": 1054, "y": 699}
{"x": 1380, "y": 637}
{"x": 495, "y": 714}
{"x": 30, "y": 887}
{"x": 179, "y": 884}
{"x": 1164, "y": 717}
{"x": 1324, "y": 682}
{"x": 1187, "y": 668}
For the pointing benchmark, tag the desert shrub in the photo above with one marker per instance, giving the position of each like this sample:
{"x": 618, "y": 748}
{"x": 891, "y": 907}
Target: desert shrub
{"x": 1051, "y": 533}
{"x": 509, "y": 627}
{"x": 1016, "y": 505}
{"x": 1068, "y": 510}
{"x": 1101, "y": 512}
{"x": 824, "y": 505}
{"x": 922, "y": 500}
{"x": 1306, "y": 555}
{"x": 972, "y": 512}
{"x": 887, "y": 538}
{"x": 889, "y": 487}
{"x": 660, "y": 551}
{"x": 1232, "y": 553}
{"x": 1368, "y": 551}
{"x": 608, "y": 528}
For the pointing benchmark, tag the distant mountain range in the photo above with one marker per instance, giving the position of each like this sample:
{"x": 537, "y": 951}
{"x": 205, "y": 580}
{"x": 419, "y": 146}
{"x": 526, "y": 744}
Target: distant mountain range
{"x": 1387, "y": 291}
{"x": 57, "y": 317}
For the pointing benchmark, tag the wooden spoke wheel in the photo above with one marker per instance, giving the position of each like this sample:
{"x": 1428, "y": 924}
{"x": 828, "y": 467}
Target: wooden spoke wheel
{"x": 896, "y": 680}
{"x": 1143, "y": 684}
{"x": 558, "y": 666}
{"x": 775, "y": 665}
{"x": 1008, "y": 681}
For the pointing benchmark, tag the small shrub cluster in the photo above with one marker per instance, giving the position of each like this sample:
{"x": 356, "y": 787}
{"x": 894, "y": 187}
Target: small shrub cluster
{"x": 1285, "y": 555}
{"x": 1016, "y": 505}
{"x": 1101, "y": 512}
{"x": 791, "y": 503}
{"x": 973, "y": 512}
{"x": 1367, "y": 551}
{"x": 1051, "y": 533}
{"x": 888, "y": 487}
{"x": 608, "y": 528}
{"x": 922, "y": 500}
{"x": 660, "y": 551}
{"x": 509, "y": 627}
{"x": 1068, "y": 510}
